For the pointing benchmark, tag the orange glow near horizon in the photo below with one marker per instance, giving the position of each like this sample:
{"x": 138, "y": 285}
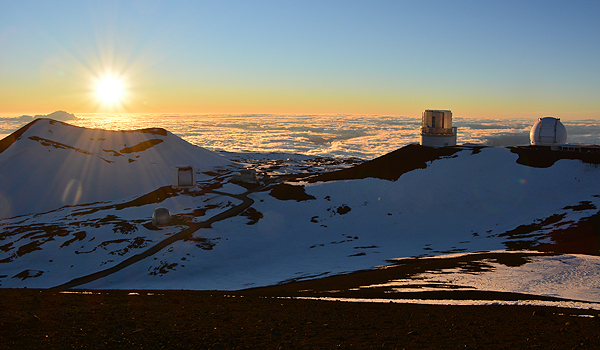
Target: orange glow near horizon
{"x": 116, "y": 87}
{"x": 382, "y": 58}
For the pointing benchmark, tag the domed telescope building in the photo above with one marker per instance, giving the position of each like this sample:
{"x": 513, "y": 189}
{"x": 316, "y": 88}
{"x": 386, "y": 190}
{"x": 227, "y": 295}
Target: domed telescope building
{"x": 548, "y": 131}
{"x": 437, "y": 129}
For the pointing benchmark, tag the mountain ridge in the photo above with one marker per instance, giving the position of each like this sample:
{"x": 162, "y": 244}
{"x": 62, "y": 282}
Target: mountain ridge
{"x": 60, "y": 164}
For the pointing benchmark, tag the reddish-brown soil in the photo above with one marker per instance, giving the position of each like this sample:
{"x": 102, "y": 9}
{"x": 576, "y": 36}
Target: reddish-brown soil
{"x": 49, "y": 319}
{"x": 269, "y": 317}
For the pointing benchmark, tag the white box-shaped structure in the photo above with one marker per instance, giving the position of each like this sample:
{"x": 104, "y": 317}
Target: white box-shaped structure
{"x": 183, "y": 176}
{"x": 437, "y": 129}
{"x": 246, "y": 175}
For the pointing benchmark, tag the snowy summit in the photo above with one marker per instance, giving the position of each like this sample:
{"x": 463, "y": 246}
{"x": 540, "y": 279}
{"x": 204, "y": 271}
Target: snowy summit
{"x": 48, "y": 164}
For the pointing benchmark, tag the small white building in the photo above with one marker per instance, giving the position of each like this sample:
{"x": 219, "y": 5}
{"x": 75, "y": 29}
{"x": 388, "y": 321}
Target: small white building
{"x": 183, "y": 176}
{"x": 246, "y": 175}
{"x": 548, "y": 131}
{"x": 437, "y": 129}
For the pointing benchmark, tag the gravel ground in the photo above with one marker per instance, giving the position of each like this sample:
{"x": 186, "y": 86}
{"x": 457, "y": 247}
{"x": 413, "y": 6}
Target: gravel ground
{"x": 259, "y": 319}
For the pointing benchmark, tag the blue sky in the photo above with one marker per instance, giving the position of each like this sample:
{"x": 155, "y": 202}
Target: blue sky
{"x": 478, "y": 58}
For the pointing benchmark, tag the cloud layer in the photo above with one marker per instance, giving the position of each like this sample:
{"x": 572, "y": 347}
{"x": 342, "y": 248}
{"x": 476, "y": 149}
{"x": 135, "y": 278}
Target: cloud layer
{"x": 361, "y": 136}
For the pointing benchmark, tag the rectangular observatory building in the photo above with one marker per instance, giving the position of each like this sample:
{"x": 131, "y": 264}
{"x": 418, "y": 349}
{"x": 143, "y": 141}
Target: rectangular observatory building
{"x": 437, "y": 129}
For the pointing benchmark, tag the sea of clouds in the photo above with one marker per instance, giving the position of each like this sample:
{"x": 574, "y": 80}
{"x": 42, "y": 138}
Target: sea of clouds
{"x": 360, "y": 136}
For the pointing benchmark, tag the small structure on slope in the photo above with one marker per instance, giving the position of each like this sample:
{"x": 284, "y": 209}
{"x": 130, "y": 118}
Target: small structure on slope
{"x": 246, "y": 175}
{"x": 183, "y": 177}
{"x": 437, "y": 129}
{"x": 161, "y": 217}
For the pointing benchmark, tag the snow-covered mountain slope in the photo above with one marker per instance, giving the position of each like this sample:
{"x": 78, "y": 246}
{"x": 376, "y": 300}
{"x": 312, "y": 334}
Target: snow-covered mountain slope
{"x": 459, "y": 200}
{"x": 467, "y": 202}
{"x": 48, "y": 164}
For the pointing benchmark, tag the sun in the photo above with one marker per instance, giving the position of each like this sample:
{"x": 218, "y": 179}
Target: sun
{"x": 110, "y": 90}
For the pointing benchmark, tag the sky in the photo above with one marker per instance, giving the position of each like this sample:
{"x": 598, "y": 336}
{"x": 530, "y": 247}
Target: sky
{"x": 478, "y": 58}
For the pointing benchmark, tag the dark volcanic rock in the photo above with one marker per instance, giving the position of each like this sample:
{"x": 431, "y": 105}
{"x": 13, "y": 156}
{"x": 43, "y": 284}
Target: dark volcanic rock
{"x": 290, "y": 192}
{"x": 544, "y": 157}
{"x": 582, "y": 237}
{"x": 392, "y": 165}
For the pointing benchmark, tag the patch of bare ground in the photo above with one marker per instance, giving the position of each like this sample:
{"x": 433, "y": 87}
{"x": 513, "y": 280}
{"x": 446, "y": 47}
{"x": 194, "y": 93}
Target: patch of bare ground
{"x": 582, "y": 237}
{"x": 142, "y": 146}
{"x": 290, "y": 192}
{"x": 392, "y": 165}
{"x": 544, "y": 157}
{"x": 349, "y": 285}
{"x": 49, "y": 319}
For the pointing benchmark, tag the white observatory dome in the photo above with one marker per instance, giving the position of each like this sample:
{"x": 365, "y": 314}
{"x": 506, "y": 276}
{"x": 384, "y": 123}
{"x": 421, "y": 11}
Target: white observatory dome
{"x": 548, "y": 131}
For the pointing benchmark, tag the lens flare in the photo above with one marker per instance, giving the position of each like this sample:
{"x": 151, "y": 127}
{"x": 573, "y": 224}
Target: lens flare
{"x": 72, "y": 192}
{"x": 5, "y": 207}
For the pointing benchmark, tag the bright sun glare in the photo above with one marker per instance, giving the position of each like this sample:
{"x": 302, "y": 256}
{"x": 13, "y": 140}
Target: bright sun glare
{"x": 110, "y": 90}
